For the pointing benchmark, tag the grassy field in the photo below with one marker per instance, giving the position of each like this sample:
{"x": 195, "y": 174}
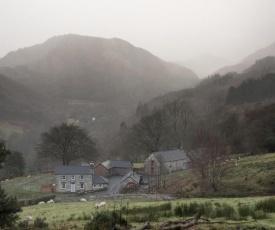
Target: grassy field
{"x": 75, "y": 215}
{"x": 27, "y": 187}
{"x": 247, "y": 176}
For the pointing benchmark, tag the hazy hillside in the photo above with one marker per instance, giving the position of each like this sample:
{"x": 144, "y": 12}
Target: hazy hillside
{"x": 95, "y": 81}
{"x": 18, "y": 101}
{"x": 78, "y": 67}
{"x": 249, "y": 60}
{"x": 223, "y": 105}
{"x": 205, "y": 65}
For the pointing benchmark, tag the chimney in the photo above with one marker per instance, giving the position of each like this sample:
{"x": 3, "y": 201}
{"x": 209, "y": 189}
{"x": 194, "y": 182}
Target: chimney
{"x": 92, "y": 165}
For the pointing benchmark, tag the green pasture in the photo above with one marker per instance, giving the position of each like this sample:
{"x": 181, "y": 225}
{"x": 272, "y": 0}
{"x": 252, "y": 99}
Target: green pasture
{"x": 75, "y": 215}
{"x": 27, "y": 187}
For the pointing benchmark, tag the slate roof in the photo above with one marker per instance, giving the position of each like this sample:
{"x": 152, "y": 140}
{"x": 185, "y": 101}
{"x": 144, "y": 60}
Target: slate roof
{"x": 100, "y": 180}
{"x": 73, "y": 170}
{"x": 131, "y": 175}
{"x": 171, "y": 155}
{"x": 117, "y": 164}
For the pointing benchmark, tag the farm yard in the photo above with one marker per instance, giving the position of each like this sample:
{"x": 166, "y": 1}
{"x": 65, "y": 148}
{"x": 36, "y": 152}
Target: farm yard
{"x": 180, "y": 200}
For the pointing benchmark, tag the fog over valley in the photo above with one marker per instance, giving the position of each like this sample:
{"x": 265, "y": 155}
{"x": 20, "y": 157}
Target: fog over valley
{"x": 139, "y": 77}
{"x": 132, "y": 115}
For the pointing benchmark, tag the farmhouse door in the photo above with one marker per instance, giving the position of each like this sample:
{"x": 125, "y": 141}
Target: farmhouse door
{"x": 72, "y": 187}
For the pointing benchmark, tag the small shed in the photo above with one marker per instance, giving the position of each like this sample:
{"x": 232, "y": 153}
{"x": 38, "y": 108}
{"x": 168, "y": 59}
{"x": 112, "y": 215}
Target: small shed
{"x": 100, "y": 182}
{"x": 47, "y": 188}
{"x": 130, "y": 181}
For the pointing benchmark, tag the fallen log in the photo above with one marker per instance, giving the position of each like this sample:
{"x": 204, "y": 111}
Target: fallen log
{"x": 179, "y": 225}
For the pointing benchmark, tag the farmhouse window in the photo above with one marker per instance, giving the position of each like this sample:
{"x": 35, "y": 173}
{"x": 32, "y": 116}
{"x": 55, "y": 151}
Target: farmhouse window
{"x": 152, "y": 170}
{"x": 73, "y": 177}
{"x": 81, "y": 185}
{"x": 63, "y": 177}
{"x": 152, "y": 162}
{"x": 63, "y": 185}
{"x": 81, "y": 177}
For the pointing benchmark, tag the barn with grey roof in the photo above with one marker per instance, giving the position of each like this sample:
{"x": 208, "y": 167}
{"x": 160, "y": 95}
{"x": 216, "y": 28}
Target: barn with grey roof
{"x": 163, "y": 162}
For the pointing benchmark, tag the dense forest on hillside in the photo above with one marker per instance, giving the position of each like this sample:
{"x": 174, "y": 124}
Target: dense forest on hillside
{"x": 252, "y": 90}
{"x": 236, "y": 109}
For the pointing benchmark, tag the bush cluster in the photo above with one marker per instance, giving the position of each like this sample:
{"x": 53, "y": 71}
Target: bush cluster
{"x": 105, "y": 220}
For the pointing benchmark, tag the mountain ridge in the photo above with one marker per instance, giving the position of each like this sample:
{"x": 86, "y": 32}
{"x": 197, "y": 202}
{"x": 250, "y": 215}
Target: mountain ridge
{"x": 249, "y": 60}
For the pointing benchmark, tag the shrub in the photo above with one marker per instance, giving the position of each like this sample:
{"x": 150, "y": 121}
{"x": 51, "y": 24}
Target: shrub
{"x": 105, "y": 220}
{"x": 267, "y": 205}
{"x": 8, "y": 209}
{"x": 23, "y": 224}
{"x": 229, "y": 212}
{"x": 244, "y": 211}
{"x": 259, "y": 214}
{"x": 40, "y": 223}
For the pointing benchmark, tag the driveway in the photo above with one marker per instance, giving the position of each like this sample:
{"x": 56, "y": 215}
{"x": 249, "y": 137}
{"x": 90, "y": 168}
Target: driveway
{"x": 113, "y": 188}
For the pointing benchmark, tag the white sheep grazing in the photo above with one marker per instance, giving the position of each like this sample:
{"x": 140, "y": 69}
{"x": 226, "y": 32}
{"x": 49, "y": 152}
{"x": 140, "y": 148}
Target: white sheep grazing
{"x": 41, "y": 202}
{"x": 83, "y": 200}
{"x": 29, "y": 218}
{"x": 50, "y": 201}
{"x": 102, "y": 204}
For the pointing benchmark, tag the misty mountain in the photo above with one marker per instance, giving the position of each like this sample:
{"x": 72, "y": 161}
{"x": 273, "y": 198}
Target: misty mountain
{"x": 249, "y": 60}
{"x": 79, "y": 67}
{"x": 94, "y": 81}
{"x": 19, "y": 102}
{"x": 211, "y": 93}
{"x": 206, "y": 64}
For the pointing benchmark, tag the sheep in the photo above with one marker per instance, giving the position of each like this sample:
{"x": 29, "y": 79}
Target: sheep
{"x": 102, "y": 204}
{"x": 29, "y": 176}
{"x": 41, "y": 202}
{"x": 50, "y": 201}
{"x": 98, "y": 205}
{"x": 29, "y": 218}
{"x": 83, "y": 200}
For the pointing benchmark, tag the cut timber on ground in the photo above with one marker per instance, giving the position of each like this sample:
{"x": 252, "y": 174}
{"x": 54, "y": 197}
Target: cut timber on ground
{"x": 178, "y": 225}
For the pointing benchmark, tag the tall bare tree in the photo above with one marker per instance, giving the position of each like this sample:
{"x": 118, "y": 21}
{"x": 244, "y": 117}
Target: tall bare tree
{"x": 66, "y": 142}
{"x": 150, "y": 134}
{"x": 210, "y": 158}
{"x": 178, "y": 113}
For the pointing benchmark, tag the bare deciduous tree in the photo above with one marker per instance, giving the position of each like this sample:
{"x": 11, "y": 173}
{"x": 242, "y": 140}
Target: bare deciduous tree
{"x": 66, "y": 143}
{"x": 150, "y": 134}
{"x": 178, "y": 113}
{"x": 210, "y": 159}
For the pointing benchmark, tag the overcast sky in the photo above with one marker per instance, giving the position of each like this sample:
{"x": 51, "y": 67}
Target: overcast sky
{"x": 174, "y": 30}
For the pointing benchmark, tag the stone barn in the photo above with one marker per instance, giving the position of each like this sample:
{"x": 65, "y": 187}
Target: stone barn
{"x": 164, "y": 162}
